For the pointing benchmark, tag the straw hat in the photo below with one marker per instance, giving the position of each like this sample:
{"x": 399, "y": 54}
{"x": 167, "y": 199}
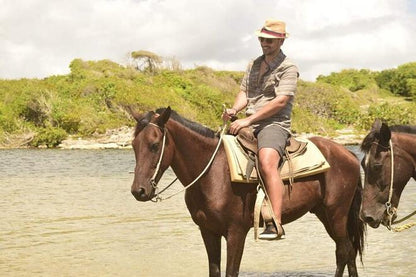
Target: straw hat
{"x": 273, "y": 28}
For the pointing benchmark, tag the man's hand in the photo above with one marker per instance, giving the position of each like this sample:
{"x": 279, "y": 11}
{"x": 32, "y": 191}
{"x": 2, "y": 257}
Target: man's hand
{"x": 238, "y": 124}
{"x": 229, "y": 114}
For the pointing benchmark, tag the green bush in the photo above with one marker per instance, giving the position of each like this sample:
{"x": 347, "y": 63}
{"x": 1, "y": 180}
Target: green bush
{"x": 327, "y": 102}
{"x": 399, "y": 81}
{"x": 351, "y": 79}
{"x": 51, "y": 137}
{"x": 390, "y": 113}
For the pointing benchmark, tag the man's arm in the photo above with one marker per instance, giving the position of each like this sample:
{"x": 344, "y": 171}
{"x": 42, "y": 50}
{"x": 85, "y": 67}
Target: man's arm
{"x": 271, "y": 108}
{"x": 268, "y": 110}
{"x": 240, "y": 103}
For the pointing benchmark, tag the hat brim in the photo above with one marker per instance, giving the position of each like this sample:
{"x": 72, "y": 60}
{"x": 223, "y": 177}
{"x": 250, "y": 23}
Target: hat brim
{"x": 259, "y": 33}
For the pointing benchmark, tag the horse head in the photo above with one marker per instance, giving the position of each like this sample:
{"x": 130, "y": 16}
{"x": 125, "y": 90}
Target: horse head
{"x": 152, "y": 152}
{"x": 382, "y": 183}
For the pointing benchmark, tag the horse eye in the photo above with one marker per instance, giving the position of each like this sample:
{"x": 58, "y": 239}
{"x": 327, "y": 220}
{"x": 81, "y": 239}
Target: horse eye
{"x": 154, "y": 147}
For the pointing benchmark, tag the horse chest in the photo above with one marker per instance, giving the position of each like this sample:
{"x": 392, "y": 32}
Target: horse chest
{"x": 205, "y": 213}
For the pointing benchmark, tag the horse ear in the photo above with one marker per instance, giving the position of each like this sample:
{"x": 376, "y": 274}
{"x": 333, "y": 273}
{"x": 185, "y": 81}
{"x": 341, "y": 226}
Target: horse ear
{"x": 376, "y": 125}
{"x": 385, "y": 134}
{"x": 164, "y": 117}
{"x": 137, "y": 116}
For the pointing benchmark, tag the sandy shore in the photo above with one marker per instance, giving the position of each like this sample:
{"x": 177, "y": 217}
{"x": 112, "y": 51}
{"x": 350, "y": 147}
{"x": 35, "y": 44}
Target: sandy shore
{"x": 113, "y": 139}
{"x": 121, "y": 138}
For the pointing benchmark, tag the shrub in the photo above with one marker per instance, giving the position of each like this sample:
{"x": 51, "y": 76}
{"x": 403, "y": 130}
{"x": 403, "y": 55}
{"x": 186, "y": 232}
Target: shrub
{"x": 390, "y": 113}
{"x": 327, "y": 102}
{"x": 399, "y": 81}
{"x": 51, "y": 137}
{"x": 351, "y": 79}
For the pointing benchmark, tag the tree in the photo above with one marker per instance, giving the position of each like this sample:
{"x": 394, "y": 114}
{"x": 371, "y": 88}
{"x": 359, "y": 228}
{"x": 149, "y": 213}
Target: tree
{"x": 146, "y": 60}
{"x": 399, "y": 81}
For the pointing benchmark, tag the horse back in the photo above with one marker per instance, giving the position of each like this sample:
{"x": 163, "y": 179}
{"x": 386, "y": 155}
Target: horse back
{"x": 343, "y": 177}
{"x": 336, "y": 154}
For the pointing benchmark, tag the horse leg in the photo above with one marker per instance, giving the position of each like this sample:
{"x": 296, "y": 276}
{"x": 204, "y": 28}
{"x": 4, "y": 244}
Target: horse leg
{"x": 213, "y": 246}
{"x": 344, "y": 251}
{"x": 346, "y": 255}
{"x": 235, "y": 247}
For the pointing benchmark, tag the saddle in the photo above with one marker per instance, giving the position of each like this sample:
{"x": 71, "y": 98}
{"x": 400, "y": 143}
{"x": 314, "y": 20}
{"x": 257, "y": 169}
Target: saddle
{"x": 248, "y": 142}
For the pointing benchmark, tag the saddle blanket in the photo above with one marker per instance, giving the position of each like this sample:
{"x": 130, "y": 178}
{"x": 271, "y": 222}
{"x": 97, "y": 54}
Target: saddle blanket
{"x": 310, "y": 163}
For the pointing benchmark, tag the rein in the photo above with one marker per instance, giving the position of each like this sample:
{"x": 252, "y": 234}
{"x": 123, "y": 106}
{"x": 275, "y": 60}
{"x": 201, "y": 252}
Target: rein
{"x": 391, "y": 210}
{"x": 153, "y": 179}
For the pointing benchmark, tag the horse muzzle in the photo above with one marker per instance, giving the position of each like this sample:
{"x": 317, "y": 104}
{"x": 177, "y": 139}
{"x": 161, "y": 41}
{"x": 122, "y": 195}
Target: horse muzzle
{"x": 375, "y": 221}
{"x": 371, "y": 221}
{"x": 141, "y": 194}
{"x": 370, "y": 218}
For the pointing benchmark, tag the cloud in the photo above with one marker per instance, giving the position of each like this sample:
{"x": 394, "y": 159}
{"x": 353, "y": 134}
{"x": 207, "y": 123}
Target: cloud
{"x": 42, "y": 37}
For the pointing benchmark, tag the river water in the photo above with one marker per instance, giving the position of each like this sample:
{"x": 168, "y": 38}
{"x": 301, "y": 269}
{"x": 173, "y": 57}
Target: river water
{"x": 70, "y": 213}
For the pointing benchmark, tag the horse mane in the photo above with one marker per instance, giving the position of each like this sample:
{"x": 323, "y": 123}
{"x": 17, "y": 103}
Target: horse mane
{"x": 142, "y": 122}
{"x": 196, "y": 127}
{"x": 375, "y": 135}
{"x": 409, "y": 129}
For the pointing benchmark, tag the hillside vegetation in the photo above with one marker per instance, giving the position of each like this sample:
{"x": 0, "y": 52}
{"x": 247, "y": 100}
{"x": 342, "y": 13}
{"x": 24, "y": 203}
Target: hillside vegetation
{"x": 96, "y": 96}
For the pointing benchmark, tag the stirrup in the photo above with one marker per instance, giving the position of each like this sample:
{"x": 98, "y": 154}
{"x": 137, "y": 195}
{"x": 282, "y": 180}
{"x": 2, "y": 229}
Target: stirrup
{"x": 272, "y": 233}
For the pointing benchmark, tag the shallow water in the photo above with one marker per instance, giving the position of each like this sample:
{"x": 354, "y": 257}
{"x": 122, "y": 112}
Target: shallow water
{"x": 71, "y": 213}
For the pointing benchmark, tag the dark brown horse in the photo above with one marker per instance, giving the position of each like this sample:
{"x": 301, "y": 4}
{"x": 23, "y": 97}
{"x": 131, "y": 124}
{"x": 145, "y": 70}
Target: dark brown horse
{"x": 222, "y": 208}
{"x": 389, "y": 163}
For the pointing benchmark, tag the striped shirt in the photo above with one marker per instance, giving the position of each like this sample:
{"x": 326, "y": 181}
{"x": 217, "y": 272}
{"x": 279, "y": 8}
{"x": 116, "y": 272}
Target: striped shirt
{"x": 280, "y": 79}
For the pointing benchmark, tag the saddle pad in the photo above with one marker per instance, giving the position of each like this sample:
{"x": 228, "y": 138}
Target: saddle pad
{"x": 310, "y": 163}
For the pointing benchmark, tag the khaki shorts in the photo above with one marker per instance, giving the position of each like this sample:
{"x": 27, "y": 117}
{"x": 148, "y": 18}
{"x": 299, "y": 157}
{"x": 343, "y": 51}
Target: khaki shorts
{"x": 273, "y": 136}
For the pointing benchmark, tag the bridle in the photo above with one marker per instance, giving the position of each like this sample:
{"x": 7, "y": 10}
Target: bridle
{"x": 152, "y": 180}
{"x": 390, "y": 210}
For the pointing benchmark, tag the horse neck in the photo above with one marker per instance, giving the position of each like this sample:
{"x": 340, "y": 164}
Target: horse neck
{"x": 192, "y": 152}
{"x": 407, "y": 143}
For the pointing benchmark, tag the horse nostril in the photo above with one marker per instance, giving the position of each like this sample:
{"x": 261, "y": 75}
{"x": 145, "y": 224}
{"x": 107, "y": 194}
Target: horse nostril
{"x": 368, "y": 219}
{"x": 138, "y": 194}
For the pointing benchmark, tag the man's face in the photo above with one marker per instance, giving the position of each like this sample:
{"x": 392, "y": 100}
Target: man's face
{"x": 270, "y": 46}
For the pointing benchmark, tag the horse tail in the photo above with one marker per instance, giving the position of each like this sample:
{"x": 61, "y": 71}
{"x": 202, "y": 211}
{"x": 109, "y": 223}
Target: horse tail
{"x": 356, "y": 227}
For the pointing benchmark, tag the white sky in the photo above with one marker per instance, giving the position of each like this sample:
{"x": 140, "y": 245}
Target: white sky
{"x": 39, "y": 38}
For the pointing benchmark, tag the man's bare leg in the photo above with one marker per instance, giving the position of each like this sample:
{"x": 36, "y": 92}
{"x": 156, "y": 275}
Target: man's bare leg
{"x": 268, "y": 163}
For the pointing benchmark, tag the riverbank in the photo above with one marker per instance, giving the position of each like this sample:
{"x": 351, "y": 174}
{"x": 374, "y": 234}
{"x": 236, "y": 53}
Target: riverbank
{"x": 121, "y": 138}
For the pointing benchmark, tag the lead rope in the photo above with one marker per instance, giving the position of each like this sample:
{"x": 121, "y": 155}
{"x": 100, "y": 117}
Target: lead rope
{"x": 389, "y": 209}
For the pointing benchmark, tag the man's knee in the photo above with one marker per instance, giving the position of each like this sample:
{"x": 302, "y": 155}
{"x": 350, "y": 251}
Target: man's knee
{"x": 268, "y": 167}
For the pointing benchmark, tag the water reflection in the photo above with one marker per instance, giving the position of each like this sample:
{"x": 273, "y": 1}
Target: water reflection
{"x": 70, "y": 213}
